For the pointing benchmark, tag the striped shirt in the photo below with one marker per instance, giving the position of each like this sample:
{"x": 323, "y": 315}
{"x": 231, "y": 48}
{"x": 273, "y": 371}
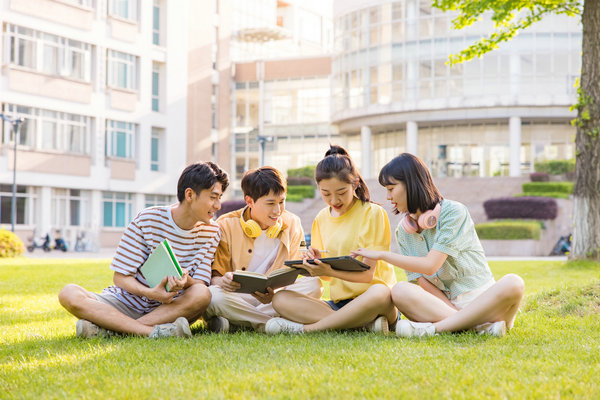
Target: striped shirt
{"x": 194, "y": 249}
{"x": 465, "y": 268}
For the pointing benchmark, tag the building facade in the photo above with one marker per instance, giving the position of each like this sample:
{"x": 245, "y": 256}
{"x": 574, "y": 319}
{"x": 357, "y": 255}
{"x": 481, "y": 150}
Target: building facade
{"x": 102, "y": 89}
{"x": 392, "y": 90}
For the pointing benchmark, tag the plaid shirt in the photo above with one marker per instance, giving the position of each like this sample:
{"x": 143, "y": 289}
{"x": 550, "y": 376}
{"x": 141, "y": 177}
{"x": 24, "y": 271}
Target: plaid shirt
{"x": 465, "y": 267}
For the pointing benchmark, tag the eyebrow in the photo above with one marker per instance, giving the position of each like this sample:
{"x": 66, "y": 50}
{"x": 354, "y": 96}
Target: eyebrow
{"x": 336, "y": 190}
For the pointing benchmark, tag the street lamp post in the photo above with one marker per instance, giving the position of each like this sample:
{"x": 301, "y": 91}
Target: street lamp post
{"x": 15, "y": 125}
{"x": 261, "y": 141}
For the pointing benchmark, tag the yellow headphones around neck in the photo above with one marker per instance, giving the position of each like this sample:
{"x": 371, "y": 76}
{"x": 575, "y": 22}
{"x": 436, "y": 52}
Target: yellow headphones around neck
{"x": 252, "y": 229}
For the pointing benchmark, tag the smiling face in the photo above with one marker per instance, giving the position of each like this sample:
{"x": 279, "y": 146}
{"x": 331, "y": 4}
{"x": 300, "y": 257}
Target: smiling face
{"x": 396, "y": 194}
{"x": 338, "y": 195}
{"x": 267, "y": 209}
{"x": 205, "y": 204}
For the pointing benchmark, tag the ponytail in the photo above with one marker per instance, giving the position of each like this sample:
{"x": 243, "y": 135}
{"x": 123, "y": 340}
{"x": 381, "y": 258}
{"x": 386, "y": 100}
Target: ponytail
{"x": 338, "y": 164}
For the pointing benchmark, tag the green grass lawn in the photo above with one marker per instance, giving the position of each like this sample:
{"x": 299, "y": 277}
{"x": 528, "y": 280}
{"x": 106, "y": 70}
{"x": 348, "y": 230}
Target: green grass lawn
{"x": 552, "y": 352}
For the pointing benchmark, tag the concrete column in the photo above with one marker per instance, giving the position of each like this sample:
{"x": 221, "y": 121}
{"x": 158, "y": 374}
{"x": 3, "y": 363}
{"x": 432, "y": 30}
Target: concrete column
{"x": 45, "y": 217}
{"x": 514, "y": 124}
{"x": 365, "y": 138}
{"x": 412, "y": 131}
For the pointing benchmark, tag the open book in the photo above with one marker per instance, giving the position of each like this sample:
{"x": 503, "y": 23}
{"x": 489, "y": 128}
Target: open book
{"x": 343, "y": 263}
{"x": 255, "y": 282}
{"x": 162, "y": 262}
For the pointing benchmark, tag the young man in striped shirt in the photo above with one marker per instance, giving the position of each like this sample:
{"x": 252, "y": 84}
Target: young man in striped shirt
{"x": 130, "y": 306}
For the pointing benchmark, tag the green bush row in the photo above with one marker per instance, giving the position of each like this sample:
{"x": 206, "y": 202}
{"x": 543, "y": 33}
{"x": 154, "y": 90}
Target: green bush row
{"x": 556, "y": 195}
{"x": 555, "y": 167}
{"x": 294, "y": 198}
{"x": 508, "y": 230}
{"x": 306, "y": 172}
{"x": 306, "y": 191}
{"x": 548, "y": 187}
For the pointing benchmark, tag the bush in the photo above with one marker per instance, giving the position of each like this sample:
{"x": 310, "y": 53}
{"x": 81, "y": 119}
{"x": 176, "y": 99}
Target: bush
{"x": 304, "y": 172}
{"x": 521, "y": 207}
{"x": 294, "y": 198}
{"x": 10, "y": 244}
{"x": 556, "y": 195}
{"x": 230, "y": 205}
{"x": 300, "y": 181}
{"x": 555, "y": 167}
{"x": 304, "y": 191}
{"x": 508, "y": 230}
{"x": 539, "y": 177}
{"x": 548, "y": 187}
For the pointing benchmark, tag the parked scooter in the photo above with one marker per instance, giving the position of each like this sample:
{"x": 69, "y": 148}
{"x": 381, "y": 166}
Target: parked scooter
{"x": 59, "y": 242}
{"x": 39, "y": 243}
{"x": 562, "y": 246}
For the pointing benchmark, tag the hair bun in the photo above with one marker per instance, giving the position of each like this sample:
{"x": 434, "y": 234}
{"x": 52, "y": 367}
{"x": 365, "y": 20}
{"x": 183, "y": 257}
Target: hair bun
{"x": 335, "y": 149}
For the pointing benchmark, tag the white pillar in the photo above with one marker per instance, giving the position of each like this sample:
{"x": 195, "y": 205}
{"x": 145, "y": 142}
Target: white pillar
{"x": 365, "y": 138}
{"x": 45, "y": 218}
{"x": 515, "y": 146}
{"x": 412, "y": 131}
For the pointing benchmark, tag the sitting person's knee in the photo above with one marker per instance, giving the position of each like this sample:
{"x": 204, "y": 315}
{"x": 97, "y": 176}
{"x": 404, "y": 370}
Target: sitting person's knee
{"x": 199, "y": 296}
{"x": 68, "y": 296}
{"x": 402, "y": 292}
{"x": 514, "y": 286}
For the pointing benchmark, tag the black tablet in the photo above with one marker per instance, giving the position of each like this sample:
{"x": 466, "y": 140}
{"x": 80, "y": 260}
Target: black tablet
{"x": 343, "y": 263}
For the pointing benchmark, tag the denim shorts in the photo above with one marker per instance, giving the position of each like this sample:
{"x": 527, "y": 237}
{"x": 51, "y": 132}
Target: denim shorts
{"x": 336, "y": 305}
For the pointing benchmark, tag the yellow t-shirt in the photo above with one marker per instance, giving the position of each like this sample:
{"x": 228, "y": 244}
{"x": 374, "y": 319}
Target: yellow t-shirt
{"x": 364, "y": 225}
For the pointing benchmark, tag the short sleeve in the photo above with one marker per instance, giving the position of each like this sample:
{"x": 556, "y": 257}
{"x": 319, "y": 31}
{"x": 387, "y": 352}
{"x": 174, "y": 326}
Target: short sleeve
{"x": 222, "y": 257}
{"x": 375, "y": 231}
{"x": 132, "y": 250}
{"x": 296, "y": 238}
{"x": 449, "y": 236}
{"x": 316, "y": 240}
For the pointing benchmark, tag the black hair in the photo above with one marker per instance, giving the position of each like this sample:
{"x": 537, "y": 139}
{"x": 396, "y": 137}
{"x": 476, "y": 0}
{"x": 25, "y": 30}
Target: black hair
{"x": 201, "y": 176}
{"x": 421, "y": 192}
{"x": 338, "y": 164}
{"x": 259, "y": 182}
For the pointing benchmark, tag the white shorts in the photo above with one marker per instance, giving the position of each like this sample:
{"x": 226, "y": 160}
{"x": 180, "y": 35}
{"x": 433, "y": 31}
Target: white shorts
{"x": 462, "y": 300}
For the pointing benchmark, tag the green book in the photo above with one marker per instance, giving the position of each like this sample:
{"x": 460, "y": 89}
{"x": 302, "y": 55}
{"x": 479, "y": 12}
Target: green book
{"x": 162, "y": 262}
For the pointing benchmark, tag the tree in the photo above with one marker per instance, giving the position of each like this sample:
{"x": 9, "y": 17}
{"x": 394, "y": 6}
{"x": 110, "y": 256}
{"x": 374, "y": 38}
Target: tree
{"x": 512, "y": 16}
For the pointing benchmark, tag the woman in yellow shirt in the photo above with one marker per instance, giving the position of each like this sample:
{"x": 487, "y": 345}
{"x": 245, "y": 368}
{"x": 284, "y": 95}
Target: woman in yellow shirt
{"x": 349, "y": 221}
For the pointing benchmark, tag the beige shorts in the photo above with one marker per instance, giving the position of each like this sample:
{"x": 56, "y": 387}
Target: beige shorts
{"x": 108, "y": 298}
{"x": 462, "y": 300}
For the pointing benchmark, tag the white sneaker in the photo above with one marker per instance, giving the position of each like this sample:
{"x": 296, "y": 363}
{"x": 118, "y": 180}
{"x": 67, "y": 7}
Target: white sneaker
{"x": 405, "y": 328}
{"x": 218, "y": 325}
{"x": 282, "y": 325}
{"x": 86, "y": 329}
{"x": 179, "y": 328}
{"x": 379, "y": 325}
{"x": 492, "y": 328}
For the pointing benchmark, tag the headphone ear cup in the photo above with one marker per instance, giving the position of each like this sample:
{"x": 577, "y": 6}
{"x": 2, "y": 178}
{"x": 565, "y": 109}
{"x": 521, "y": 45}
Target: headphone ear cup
{"x": 409, "y": 225}
{"x": 250, "y": 227}
{"x": 429, "y": 218}
{"x": 273, "y": 231}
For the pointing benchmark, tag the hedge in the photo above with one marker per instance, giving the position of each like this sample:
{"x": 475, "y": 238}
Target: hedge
{"x": 555, "y": 167}
{"x": 300, "y": 181}
{"x": 539, "y": 177}
{"x": 294, "y": 198}
{"x": 521, "y": 207}
{"x": 556, "y": 195}
{"x": 230, "y": 205}
{"x": 306, "y": 191}
{"x": 508, "y": 230}
{"x": 306, "y": 172}
{"x": 548, "y": 187}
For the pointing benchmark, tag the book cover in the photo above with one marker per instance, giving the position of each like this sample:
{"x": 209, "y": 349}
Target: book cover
{"x": 254, "y": 282}
{"x": 343, "y": 263}
{"x": 162, "y": 262}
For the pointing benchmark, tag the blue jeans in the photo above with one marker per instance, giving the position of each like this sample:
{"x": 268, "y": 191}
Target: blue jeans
{"x": 339, "y": 304}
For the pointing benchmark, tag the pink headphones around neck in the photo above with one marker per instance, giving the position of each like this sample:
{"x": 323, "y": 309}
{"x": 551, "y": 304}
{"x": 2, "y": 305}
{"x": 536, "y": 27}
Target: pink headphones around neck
{"x": 427, "y": 220}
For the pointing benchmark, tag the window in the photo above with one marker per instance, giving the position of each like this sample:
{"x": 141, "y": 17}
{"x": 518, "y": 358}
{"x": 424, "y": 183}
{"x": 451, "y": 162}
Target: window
{"x": 50, "y": 130}
{"x": 25, "y": 204}
{"x": 155, "y": 149}
{"x": 122, "y": 70}
{"x": 153, "y": 200}
{"x": 120, "y": 139}
{"x": 126, "y": 9}
{"x": 50, "y": 54}
{"x": 156, "y": 23}
{"x": 116, "y": 209}
{"x": 70, "y": 207}
{"x": 155, "y": 86}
